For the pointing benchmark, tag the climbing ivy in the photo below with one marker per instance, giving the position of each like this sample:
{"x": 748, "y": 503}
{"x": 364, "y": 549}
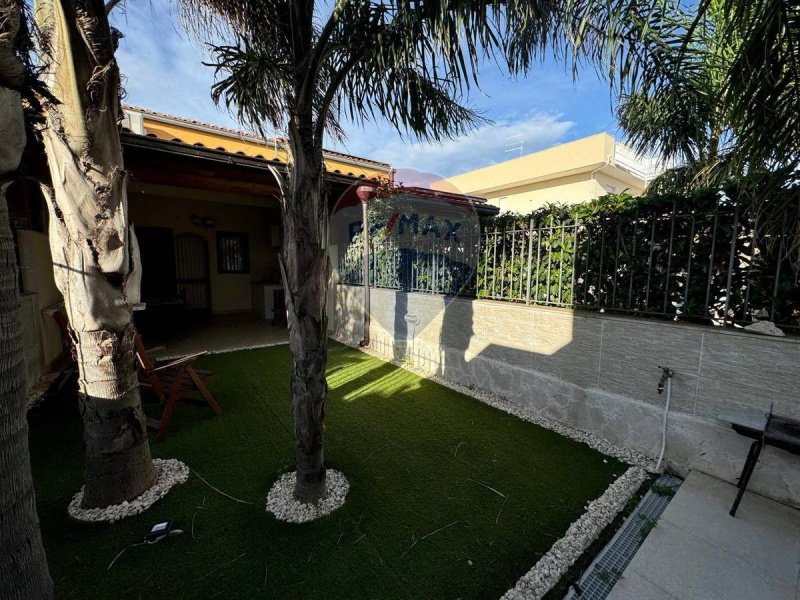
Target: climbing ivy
{"x": 702, "y": 256}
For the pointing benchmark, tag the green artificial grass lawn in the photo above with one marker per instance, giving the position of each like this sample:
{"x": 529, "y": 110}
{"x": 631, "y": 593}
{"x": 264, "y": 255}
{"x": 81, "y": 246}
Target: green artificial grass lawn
{"x": 422, "y": 461}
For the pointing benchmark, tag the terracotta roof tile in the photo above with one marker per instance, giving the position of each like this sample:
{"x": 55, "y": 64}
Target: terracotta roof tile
{"x": 244, "y": 134}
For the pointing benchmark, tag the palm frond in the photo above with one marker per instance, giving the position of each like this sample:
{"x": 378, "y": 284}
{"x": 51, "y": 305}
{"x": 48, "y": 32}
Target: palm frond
{"x": 13, "y": 33}
{"x": 762, "y": 85}
{"x": 252, "y": 83}
{"x": 734, "y": 64}
{"x": 17, "y": 68}
{"x": 412, "y": 63}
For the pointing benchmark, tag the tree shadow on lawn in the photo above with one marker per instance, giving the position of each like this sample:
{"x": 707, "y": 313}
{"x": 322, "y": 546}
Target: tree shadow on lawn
{"x": 449, "y": 497}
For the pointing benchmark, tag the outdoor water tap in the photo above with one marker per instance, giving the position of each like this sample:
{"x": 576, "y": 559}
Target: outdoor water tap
{"x": 666, "y": 373}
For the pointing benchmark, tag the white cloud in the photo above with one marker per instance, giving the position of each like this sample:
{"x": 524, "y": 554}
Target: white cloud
{"x": 163, "y": 70}
{"x": 420, "y": 163}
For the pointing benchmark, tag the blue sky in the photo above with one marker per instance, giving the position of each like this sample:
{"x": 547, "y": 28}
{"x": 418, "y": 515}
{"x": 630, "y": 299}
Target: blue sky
{"x": 162, "y": 70}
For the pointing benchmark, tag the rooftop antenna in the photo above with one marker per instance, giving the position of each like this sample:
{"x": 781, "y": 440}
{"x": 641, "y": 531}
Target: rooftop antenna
{"x": 515, "y": 144}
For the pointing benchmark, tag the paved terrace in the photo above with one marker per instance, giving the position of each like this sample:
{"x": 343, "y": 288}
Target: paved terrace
{"x": 697, "y": 551}
{"x": 224, "y": 333}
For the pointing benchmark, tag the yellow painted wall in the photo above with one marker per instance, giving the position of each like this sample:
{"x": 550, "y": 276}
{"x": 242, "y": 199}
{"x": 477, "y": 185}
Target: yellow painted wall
{"x": 563, "y": 190}
{"x": 524, "y": 199}
{"x": 229, "y": 292}
{"x": 42, "y": 336}
{"x": 36, "y": 266}
{"x": 191, "y": 135}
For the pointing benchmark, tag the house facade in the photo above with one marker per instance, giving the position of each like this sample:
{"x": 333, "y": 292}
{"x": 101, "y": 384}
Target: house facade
{"x": 569, "y": 173}
{"x": 203, "y": 197}
{"x": 203, "y": 202}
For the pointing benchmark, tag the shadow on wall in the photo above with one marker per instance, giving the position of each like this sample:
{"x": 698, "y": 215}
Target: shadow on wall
{"x": 598, "y": 373}
{"x": 403, "y": 339}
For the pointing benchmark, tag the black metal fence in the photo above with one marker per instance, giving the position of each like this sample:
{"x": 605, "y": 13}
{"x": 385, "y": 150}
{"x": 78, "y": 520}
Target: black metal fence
{"x": 430, "y": 264}
{"x": 715, "y": 267}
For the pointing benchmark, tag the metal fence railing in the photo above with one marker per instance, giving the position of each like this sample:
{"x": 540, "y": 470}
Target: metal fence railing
{"x": 430, "y": 264}
{"x": 707, "y": 267}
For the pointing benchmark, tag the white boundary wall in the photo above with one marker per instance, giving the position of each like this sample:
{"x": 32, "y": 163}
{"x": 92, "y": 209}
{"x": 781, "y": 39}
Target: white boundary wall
{"x": 598, "y": 372}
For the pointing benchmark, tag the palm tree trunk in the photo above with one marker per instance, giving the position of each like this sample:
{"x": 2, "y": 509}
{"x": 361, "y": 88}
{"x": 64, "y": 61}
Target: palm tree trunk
{"x": 305, "y": 274}
{"x": 95, "y": 255}
{"x": 23, "y": 565}
{"x": 118, "y": 465}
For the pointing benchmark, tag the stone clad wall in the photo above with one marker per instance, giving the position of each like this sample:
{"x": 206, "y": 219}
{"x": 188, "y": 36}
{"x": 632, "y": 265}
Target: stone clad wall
{"x": 599, "y": 373}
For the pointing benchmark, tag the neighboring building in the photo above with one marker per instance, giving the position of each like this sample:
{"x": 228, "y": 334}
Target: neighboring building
{"x": 568, "y": 173}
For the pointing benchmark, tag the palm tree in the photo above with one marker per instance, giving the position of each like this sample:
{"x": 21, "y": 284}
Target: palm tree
{"x": 762, "y": 82}
{"x": 95, "y": 255}
{"x": 712, "y": 86}
{"x": 23, "y": 565}
{"x": 684, "y": 122}
{"x": 299, "y": 66}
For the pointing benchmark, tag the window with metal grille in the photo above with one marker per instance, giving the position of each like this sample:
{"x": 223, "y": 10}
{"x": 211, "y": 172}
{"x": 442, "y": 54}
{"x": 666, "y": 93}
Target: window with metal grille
{"x": 233, "y": 254}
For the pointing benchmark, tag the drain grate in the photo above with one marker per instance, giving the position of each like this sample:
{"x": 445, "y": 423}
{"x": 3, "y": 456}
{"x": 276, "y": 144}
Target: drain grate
{"x": 598, "y": 580}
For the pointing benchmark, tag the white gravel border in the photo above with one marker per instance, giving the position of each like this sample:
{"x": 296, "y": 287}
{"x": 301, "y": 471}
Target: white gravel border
{"x": 599, "y": 514}
{"x": 171, "y": 472}
{"x": 282, "y": 503}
